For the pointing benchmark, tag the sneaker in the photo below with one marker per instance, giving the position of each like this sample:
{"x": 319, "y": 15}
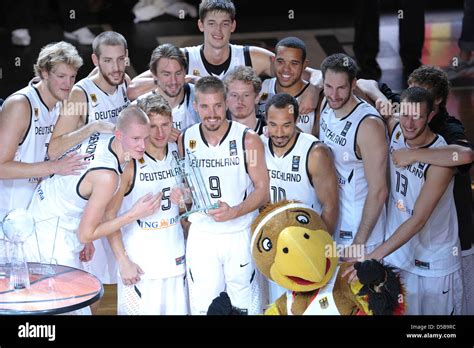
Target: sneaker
{"x": 82, "y": 35}
{"x": 21, "y": 37}
{"x": 463, "y": 69}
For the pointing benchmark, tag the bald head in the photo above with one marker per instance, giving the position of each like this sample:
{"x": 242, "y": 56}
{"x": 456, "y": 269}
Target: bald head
{"x": 131, "y": 115}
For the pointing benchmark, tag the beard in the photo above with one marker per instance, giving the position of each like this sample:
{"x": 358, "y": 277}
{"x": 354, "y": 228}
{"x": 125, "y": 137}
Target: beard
{"x": 172, "y": 95}
{"x": 112, "y": 83}
{"x": 344, "y": 102}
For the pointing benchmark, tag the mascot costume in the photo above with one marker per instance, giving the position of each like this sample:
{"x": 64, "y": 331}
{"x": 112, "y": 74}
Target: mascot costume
{"x": 291, "y": 246}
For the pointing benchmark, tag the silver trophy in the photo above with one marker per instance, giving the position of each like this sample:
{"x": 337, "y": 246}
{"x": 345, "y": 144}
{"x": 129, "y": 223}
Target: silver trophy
{"x": 17, "y": 226}
{"x": 192, "y": 184}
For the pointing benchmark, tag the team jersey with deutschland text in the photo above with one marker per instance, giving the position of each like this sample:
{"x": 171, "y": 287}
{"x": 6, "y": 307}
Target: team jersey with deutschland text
{"x": 289, "y": 174}
{"x": 156, "y": 242}
{"x": 17, "y": 193}
{"x": 57, "y": 202}
{"x": 340, "y": 134}
{"x": 224, "y": 170}
{"x": 102, "y": 106}
{"x": 434, "y": 251}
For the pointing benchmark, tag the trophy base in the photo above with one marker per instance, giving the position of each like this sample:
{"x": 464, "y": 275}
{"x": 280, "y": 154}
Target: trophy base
{"x": 198, "y": 210}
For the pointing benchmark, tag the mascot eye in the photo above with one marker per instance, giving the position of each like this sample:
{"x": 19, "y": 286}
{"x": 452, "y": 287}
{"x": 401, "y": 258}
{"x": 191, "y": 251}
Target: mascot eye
{"x": 302, "y": 219}
{"x": 267, "y": 244}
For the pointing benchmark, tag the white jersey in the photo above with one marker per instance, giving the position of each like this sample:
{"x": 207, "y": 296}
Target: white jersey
{"x": 17, "y": 193}
{"x": 322, "y": 304}
{"x": 225, "y": 175}
{"x": 198, "y": 65}
{"x": 289, "y": 174}
{"x": 102, "y": 106}
{"x": 57, "y": 202}
{"x": 304, "y": 122}
{"x": 432, "y": 251}
{"x": 340, "y": 134}
{"x": 155, "y": 243}
{"x": 184, "y": 115}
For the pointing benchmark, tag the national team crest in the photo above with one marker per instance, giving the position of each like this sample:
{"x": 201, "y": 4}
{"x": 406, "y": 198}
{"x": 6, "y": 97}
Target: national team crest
{"x": 232, "y": 148}
{"x": 141, "y": 160}
{"x": 36, "y": 112}
{"x": 196, "y": 72}
{"x": 397, "y": 136}
{"x": 295, "y": 164}
{"x": 94, "y": 98}
{"x": 264, "y": 96}
{"x": 324, "y": 303}
{"x": 192, "y": 144}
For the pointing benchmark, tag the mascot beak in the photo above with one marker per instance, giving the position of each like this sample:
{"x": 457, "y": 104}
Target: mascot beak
{"x": 302, "y": 261}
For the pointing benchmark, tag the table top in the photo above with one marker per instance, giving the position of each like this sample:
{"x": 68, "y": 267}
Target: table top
{"x": 66, "y": 290}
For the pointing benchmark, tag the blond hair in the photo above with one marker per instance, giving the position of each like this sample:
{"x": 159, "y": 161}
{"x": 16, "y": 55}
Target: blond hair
{"x": 56, "y": 53}
{"x": 155, "y": 103}
{"x": 245, "y": 74}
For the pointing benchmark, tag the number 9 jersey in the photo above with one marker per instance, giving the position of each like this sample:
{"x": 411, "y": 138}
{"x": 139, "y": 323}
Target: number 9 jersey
{"x": 224, "y": 171}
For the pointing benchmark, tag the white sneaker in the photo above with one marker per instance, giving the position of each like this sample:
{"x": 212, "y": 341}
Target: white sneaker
{"x": 21, "y": 37}
{"x": 82, "y": 35}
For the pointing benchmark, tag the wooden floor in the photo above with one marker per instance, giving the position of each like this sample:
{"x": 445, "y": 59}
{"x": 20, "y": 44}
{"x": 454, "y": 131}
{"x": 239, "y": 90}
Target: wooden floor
{"x": 108, "y": 304}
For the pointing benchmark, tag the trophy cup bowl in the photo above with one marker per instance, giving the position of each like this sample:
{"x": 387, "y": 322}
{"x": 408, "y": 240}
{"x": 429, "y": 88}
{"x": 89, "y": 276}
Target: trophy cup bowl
{"x": 17, "y": 226}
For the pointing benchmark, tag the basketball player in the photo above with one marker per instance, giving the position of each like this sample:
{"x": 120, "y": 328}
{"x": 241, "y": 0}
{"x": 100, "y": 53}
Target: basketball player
{"x": 357, "y": 137}
{"x": 242, "y": 88}
{"x": 300, "y": 167}
{"x": 289, "y": 62}
{"x": 457, "y": 154}
{"x": 421, "y": 235}
{"x": 93, "y": 106}
{"x": 69, "y": 210}
{"x": 217, "y": 56}
{"x": 168, "y": 66}
{"x": 95, "y": 101}
{"x": 231, "y": 160}
{"x": 27, "y": 120}
{"x": 153, "y": 267}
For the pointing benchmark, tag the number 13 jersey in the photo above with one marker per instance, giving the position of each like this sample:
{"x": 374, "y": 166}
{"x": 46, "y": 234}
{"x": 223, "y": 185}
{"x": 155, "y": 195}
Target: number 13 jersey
{"x": 434, "y": 251}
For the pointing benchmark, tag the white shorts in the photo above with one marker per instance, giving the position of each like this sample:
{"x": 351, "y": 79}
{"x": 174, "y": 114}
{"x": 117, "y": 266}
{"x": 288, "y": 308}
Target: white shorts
{"x": 433, "y": 295}
{"x": 167, "y": 296}
{"x": 217, "y": 262}
{"x": 103, "y": 264}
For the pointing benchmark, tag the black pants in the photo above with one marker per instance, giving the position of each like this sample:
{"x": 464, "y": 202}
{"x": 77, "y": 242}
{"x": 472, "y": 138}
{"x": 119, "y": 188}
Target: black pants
{"x": 411, "y": 32}
{"x": 74, "y": 14}
{"x": 17, "y": 14}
